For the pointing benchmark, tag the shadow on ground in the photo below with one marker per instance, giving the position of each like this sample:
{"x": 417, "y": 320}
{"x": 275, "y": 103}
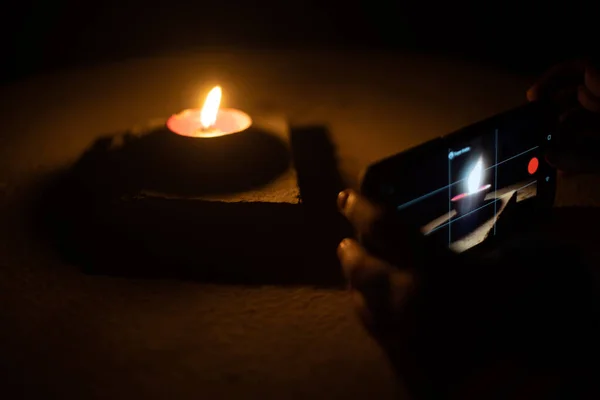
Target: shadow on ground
{"x": 160, "y": 161}
{"x": 94, "y": 216}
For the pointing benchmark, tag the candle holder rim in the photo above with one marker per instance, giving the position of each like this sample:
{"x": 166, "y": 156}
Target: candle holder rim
{"x": 245, "y": 116}
{"x": 466, "y": 195}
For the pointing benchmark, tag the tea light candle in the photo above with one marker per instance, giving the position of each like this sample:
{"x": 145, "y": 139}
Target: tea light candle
{"x": 210, "y": 121}
{"x": 476, "y": 192}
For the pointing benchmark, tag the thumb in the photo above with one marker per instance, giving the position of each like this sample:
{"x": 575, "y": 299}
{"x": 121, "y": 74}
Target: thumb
{"x": 556, "y": 79}
{"x": 383, "y": 288}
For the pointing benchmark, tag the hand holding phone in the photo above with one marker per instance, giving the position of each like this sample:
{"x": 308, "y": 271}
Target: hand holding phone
{"x": 476, "y": 185}
{"x": 439, "y": 307}
{"x": 449, "y": 322}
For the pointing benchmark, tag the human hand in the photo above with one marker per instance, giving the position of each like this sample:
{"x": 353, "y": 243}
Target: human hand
{"x": 575, "y": 87}
{"x": 570, "y": 84}
{"x": 420, "y": 319}
{"x": 457, "y": 326}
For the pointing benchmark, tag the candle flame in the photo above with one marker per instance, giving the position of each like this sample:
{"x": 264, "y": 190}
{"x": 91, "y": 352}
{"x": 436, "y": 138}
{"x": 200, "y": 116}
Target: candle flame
{"x": 208, "y": 115}
{"x": 475, "y": 177}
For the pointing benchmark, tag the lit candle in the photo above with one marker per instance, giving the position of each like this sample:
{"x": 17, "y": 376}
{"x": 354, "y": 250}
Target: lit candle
{"x": 476, "y": 192}
{"x": 209, "y": 121}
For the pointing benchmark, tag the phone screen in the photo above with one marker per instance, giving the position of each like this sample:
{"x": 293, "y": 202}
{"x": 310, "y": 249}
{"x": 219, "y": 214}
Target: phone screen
{"x": 478, "y": 183}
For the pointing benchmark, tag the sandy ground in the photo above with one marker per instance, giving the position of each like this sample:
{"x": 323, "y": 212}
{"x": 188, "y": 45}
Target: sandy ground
{"x": 69, "y": 335}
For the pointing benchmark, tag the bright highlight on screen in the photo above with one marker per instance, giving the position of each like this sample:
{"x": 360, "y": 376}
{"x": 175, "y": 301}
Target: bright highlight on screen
{"x": 475, "y": 177}
{"x": 482, "y": 192}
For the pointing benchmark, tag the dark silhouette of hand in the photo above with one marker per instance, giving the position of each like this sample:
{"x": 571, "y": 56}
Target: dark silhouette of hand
{"x": 571, "y": 84}
{"x": 504, "y": 324}
{"x": 574, "y": 87}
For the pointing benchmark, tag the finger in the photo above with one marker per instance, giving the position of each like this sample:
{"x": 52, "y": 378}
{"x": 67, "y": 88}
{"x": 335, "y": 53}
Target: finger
{"x": 592, "y": 79}
{"x": 358, "y": 266}
{"x": 572, "y": 111}
{"x": 361, "y": 308}
{"x": 379, "y": 291}
{"x": 556, "y": 78}
{"x": 386, "y": 235}
{"x": 368, "y": 276}
{"x": 373, "y": 277}
{"x": 375, "y": 228}
{"x": 361, "y": 213}
{"x": 566, "y": 97}
{"x": 588, "y": 100}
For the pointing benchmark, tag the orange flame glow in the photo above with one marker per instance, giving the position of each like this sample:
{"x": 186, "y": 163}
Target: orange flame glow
{"x": 208, "y": 115}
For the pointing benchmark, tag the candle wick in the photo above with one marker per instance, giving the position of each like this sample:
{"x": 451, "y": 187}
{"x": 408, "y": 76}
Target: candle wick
{"x": 205, "y": 129}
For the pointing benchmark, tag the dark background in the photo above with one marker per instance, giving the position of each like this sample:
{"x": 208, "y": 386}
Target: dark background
{"x": 41, "y": 35}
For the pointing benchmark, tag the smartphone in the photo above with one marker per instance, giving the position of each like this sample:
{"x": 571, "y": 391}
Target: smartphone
{"x": 476, "y": 185}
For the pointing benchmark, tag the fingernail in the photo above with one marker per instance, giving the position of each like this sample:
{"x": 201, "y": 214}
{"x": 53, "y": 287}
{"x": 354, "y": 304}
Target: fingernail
{"x": 348, "y": 249}
{"x": 345, "y": 243}
{"x": 349, "y": 254}
{"x": 530, "y": 95}
{"x": 342, "y": 199}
